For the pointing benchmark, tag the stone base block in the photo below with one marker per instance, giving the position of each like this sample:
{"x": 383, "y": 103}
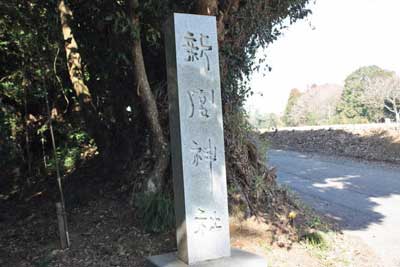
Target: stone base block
{"x": 238, "y": 258}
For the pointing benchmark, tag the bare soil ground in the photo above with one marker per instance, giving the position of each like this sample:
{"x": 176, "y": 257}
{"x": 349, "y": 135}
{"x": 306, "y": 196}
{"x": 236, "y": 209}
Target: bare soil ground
{"x": 103, "y": 233}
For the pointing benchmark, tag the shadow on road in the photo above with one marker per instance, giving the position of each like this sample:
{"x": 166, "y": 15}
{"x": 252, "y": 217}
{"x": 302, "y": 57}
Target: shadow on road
{"x": 356, "y": 195}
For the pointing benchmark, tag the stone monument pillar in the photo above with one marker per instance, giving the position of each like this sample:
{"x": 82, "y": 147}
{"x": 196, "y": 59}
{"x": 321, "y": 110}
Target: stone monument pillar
{"x": 197, "y": 147}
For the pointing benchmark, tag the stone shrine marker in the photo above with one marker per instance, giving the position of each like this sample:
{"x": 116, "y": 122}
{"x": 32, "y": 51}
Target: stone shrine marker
{"x": 197, "y": 139}
{"x": 197, "y": 147}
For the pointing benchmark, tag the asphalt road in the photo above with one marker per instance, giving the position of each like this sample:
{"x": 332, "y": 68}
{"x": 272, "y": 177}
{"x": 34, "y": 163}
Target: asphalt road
{"x": 363, "y": 197}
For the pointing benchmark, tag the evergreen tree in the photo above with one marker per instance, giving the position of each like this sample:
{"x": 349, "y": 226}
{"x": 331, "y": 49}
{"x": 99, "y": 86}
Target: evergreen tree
{"x": 351, "y": 107}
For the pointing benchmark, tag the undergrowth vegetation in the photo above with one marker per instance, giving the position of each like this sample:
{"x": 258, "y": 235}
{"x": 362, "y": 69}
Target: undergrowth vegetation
{"x": 155, "y": 212}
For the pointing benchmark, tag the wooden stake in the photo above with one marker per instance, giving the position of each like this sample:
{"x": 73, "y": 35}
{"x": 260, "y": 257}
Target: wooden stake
{"x": 61, "y": 226}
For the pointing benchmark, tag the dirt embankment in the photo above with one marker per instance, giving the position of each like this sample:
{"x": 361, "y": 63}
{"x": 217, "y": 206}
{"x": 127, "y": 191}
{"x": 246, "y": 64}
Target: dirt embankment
{"x": 380, "y": 142}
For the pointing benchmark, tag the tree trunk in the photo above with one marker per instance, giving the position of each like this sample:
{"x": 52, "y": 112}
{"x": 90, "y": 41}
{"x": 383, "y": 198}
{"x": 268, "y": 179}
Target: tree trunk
{"x": 155, "y": 180}
{"x": 396, "y": 109}
{"x": 95, "y": 128}
{"x": 25, "y": 84}
{"x": 207, "y": 7}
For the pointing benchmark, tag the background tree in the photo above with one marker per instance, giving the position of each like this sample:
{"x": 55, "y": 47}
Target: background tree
{"x": 272, "y": 120}
{"x": 265, "y": 120}
{"x": 351, "y": 107}
{"x": 316, "y": 106}
{"x": 383, "y": 93}
{"x": 293, "y": 98}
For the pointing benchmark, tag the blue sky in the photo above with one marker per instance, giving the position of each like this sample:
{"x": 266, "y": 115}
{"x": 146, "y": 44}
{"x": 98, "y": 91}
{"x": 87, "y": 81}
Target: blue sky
{"x": 344, "y": 35}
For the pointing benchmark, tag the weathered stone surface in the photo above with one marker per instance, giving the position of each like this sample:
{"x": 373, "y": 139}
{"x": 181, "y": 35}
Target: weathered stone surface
{"x": 197, "y": 140}
{"x": 239, "y": 258}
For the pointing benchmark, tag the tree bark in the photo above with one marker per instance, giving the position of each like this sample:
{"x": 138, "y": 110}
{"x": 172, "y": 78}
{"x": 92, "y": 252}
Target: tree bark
{"x": 155, "y": 180}
{"x": 25, "y": 84}
{"x": 207, "y": 7}
{"x": 88, "y": 110}
{"x": 73, "y": 56}
{"x": 396, "y": 110}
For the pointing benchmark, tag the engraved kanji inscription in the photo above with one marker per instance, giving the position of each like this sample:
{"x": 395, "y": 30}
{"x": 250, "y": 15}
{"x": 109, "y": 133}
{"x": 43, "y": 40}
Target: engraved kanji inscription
{"x": 201, "y": 153}
{"x": 206, "y": 221}
{"x": 201, "y": 101}
{"x": 197, "y": 48}
{"x": 192, "y": 49}
{"x": 206, "y": 153}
